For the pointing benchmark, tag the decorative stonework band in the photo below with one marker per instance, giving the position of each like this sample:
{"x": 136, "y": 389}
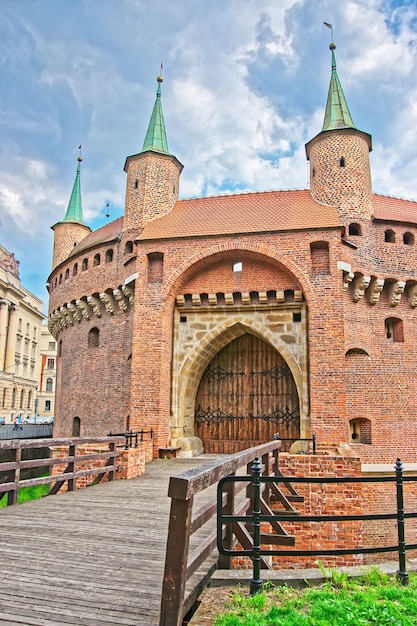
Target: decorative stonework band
{"x": 120, "y": 299}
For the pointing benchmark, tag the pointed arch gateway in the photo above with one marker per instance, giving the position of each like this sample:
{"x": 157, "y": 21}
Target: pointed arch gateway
{"x": 246, "y": 395}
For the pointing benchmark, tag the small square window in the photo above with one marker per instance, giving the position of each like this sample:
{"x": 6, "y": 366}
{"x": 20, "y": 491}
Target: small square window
{"x": 237, "y": 267}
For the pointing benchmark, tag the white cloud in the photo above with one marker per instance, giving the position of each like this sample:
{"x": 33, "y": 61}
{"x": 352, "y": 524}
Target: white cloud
{"x": 245, "y": 85}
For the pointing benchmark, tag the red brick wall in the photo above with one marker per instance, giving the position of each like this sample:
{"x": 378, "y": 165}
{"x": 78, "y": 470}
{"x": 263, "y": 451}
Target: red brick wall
{"x": 379, "y": 385}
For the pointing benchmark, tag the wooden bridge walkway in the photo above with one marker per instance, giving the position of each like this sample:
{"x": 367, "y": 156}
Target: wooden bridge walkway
{"x": 93, "y": 556}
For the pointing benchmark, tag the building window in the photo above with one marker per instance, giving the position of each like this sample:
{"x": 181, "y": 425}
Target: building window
{"x": 27, "y": 329}
{"x": 47, "y": 405}
{"x": 97, "y": 260}
{"x": 355, "y": 229}
{"x": 390, "y": 236}
{"x": 29, "y": 399}
{"x": 4, "y": 396}
{"x": 75, "y": 269}
{"x": 320, "y": 261}
{"x": 342, "y": 161}
{"x": 51, "y": 345}
{"x": 109, "y": 256}
{"x": 93, "y": 338}
{"x": 49, "y": 383}
{"x": 50, "y": 364}
{"x": 20, "y": 324}
{"x": 237, "y": 267}
{"x": 84, "y": 265}
{"x": 128, "y": 247}
{"x": 76, "y": 427}
{"x": 22, "y": 399}
{"x": 155, "y": 267}
{"x": 67, "y": 273}
{"x": 360, "y": 431}
{"x": 394, "y": 330}
{"x": 13, "y": 398}
{"x": 408, "y": 239}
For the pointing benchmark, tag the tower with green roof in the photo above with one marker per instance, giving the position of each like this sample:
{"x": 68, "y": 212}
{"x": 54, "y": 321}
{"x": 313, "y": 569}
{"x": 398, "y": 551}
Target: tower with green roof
{"x": 340, "y": 172}
{"x": 72, "y": 229}
{"x": 152, "y": 174}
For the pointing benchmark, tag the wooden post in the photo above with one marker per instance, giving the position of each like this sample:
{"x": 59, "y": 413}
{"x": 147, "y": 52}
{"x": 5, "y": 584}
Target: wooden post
{"x": 14, "y": 475}
{"x": 112, "y": 448}
{"x": 173, "y": 585}
{"x": 73, "y": 449}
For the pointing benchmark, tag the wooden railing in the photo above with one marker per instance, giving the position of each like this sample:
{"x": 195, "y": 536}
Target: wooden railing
{"x": 103, "y": 462}
{"x": 184, "y": 521}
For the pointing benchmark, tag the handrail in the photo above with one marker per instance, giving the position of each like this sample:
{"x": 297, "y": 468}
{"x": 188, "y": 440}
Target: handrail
{"x": 132, "y": 438}
{"x": 256, "y": 517}
{"x": 180, "y": 563}
{"x": 70, "y": 474}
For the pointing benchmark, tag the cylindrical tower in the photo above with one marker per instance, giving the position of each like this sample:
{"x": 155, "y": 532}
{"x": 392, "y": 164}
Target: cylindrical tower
{"x": 72, "y": 229}
{"x": 340, "y": 173}
{"x": 152, "y": 175}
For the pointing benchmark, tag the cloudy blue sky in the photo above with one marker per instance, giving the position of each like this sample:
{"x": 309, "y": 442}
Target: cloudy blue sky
{"x": 245, "y": 85}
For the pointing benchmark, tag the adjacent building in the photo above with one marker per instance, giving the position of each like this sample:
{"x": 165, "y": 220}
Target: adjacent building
{"x": 218, "y": 322}
{"x": 21, "y": 320}
{"x": 45, "y": 400}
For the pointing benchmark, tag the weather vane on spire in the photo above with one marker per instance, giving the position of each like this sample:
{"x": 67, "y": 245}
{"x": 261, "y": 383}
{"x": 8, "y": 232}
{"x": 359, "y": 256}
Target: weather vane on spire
{"x": 331, "y": 29}
{"x": 79, "y": 156}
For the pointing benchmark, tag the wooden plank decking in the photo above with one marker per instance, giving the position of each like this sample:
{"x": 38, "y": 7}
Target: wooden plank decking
{"x": 93, "y": 557}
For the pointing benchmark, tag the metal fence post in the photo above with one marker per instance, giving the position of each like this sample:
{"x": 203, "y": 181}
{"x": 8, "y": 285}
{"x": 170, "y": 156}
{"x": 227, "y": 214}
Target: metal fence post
{"x": 256, "y": 583}
{"x": 402, "y": 574}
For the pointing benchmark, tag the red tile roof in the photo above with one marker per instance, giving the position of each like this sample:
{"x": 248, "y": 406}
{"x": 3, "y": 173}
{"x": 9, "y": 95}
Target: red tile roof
{"x": 242, "y": 213}
{"x": 109, "y": 232}
{"x": 394, "y": 209}
{"x": 249, "y": 213}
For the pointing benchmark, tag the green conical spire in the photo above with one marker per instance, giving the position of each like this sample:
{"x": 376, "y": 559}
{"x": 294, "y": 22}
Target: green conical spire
{"x": 337, "y": 111}
{"x": 156, "y": 137}
{"x": 75, "y": 209}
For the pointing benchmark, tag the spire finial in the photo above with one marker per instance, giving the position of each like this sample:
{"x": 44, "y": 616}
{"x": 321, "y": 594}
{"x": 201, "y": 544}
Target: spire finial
{"x": 160, "y": 78}
{"x": 79, "y": 156}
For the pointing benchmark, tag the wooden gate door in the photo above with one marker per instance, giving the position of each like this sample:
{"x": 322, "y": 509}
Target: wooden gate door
{"x": 245, "y": 396}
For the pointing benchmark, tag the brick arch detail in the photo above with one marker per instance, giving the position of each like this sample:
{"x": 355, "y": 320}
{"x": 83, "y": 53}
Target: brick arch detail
{"x": 200, "y": 356}
{"x": 181, "y": 274}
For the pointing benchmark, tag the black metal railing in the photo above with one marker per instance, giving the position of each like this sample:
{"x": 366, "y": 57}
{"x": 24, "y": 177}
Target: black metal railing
{"x": 254, "y": 520}
{"x": 132, "y": 439}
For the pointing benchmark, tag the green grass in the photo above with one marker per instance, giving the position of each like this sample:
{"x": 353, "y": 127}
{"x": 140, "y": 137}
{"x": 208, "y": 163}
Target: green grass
{"x": 374, "y": 599}
{"x": 27, "y": 493}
